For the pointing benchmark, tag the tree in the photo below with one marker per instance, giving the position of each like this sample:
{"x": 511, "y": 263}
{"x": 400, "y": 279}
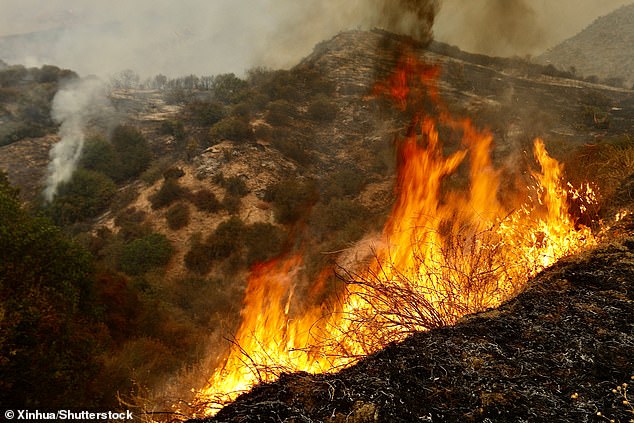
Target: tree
{"x": 228, "y": 88}
{"x": 49, "y": 336}
{"x": 132, "y": 150}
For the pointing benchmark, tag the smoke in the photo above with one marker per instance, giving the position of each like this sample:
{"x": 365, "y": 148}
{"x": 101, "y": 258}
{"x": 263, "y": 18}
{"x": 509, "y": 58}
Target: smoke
{"x": 193, "y": 36}
{"x": 515, "y": 27}
{"x": 73, "y": 107}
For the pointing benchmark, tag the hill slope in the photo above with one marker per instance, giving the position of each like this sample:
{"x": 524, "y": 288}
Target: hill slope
{"x": 554, "y": 353}
{"x": 604, "y": 49}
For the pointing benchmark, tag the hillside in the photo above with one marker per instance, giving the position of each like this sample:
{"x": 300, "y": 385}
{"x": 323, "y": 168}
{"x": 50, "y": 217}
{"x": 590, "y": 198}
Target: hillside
{"x": 561, "y": 351}
{"x": 604, "y": 49}
{"x": 203, "y": 178}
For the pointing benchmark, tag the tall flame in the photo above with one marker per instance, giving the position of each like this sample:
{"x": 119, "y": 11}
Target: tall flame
{"x": 444, "y": 253}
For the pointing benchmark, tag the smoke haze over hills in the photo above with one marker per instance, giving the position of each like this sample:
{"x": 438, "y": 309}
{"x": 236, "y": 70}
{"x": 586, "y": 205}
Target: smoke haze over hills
{"x": 202, "y": 37}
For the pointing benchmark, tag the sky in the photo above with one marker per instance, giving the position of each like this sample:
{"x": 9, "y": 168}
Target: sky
{"x": 208, "y": 37}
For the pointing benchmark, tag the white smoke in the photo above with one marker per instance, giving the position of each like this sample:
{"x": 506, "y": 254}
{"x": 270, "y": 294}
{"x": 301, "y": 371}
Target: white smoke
{"x": 73, "y": 107}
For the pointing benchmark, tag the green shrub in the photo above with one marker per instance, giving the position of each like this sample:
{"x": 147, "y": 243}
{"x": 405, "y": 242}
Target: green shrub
{"x": 232, "y": 128}
{"x": 205, "y": 200}
{"x": 133, "y": 152}
{"x": 87, "y": 194}
{"x": 228, "y": 88}
{"x": 50, "y": 340}
{"x": 144, "y": 254}
{"x": 206, "y": 113}
{"x": 99, "y": 155}
{"x": 174, "y": 128}
{"x": 169, "y": 192}
{"x": 177, "y": 216}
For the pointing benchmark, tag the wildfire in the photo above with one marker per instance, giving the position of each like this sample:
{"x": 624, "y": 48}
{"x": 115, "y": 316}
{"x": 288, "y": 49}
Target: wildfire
{"x": 445, "y": 252}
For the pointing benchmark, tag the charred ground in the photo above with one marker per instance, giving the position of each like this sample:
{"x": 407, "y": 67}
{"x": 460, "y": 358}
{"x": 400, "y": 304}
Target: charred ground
{"x": 554, "y": 353}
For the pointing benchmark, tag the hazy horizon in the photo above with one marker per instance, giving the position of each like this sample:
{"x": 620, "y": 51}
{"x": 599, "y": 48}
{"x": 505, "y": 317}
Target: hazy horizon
{"x": 206, "y": 38}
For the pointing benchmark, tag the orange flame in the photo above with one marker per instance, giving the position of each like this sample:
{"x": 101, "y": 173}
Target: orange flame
{"x": 445, "y": 253}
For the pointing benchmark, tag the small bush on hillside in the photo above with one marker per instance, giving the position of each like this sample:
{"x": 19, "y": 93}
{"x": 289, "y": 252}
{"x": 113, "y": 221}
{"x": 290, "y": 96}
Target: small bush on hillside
{"x": 131, "y": 224}
{"x": 226, "y": 239}
{"x": 232, "y": 203}
{"x": 169, "y": 192}
{"x": 144, "y": 254}
{"x": 286, "y": 142}
{"x": 206, "y": 113}
{"x": 133, "y": 152}
{"x": 343, "y": 183}
{"x": 322, "y": 109}
{"x": 177, "y": 216}
{"x": 87, "y": 194}
{"x": 205, "y": 200}
{"x": 235, "y": 186}
{"x": 291, "y": 199}
{"x": 231, "y": 128}
{"x": 280, "y": 112}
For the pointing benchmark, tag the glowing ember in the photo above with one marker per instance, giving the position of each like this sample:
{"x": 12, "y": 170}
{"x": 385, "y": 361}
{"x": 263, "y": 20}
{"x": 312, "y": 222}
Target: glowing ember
{"x": 445, "y": 253}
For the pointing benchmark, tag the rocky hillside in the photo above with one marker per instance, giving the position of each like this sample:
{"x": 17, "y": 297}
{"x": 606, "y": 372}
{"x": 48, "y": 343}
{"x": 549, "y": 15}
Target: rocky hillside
{"x": 604, "y": 49}
{"x": 205, "y": 176}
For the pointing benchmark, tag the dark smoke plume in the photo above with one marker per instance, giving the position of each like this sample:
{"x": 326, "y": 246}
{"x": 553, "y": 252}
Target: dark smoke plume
{"x": 410, "y": 17}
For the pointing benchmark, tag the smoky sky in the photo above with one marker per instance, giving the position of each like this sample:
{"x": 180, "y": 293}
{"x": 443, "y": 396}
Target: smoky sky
{"x": 516, "y": 27}
{"x": 207, "y": 37}
{"x": 191, "y": 36}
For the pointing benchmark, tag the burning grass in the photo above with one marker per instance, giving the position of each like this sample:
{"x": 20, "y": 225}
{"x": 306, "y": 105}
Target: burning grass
{"x": 444, "y": 252}
{"x": 556, "y": 352}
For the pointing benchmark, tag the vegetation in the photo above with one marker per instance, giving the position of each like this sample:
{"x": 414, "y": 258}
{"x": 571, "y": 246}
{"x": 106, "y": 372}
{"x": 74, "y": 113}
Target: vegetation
{"x": 177, "y": 216}
{"x": 46, "y": 295}
{"x": 231, "y": 128}
{"x": 205, "y": 200}
{"x": 144, "y": 254}
{"x": 169, "y": 192}
{"x": 291, "y": 199}
{"x": 87, "y": 194}
{"x": 28, "y": 93}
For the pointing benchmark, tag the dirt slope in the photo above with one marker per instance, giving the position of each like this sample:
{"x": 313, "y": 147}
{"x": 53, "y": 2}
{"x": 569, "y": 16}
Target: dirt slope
{"x": 554, "y": 353}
